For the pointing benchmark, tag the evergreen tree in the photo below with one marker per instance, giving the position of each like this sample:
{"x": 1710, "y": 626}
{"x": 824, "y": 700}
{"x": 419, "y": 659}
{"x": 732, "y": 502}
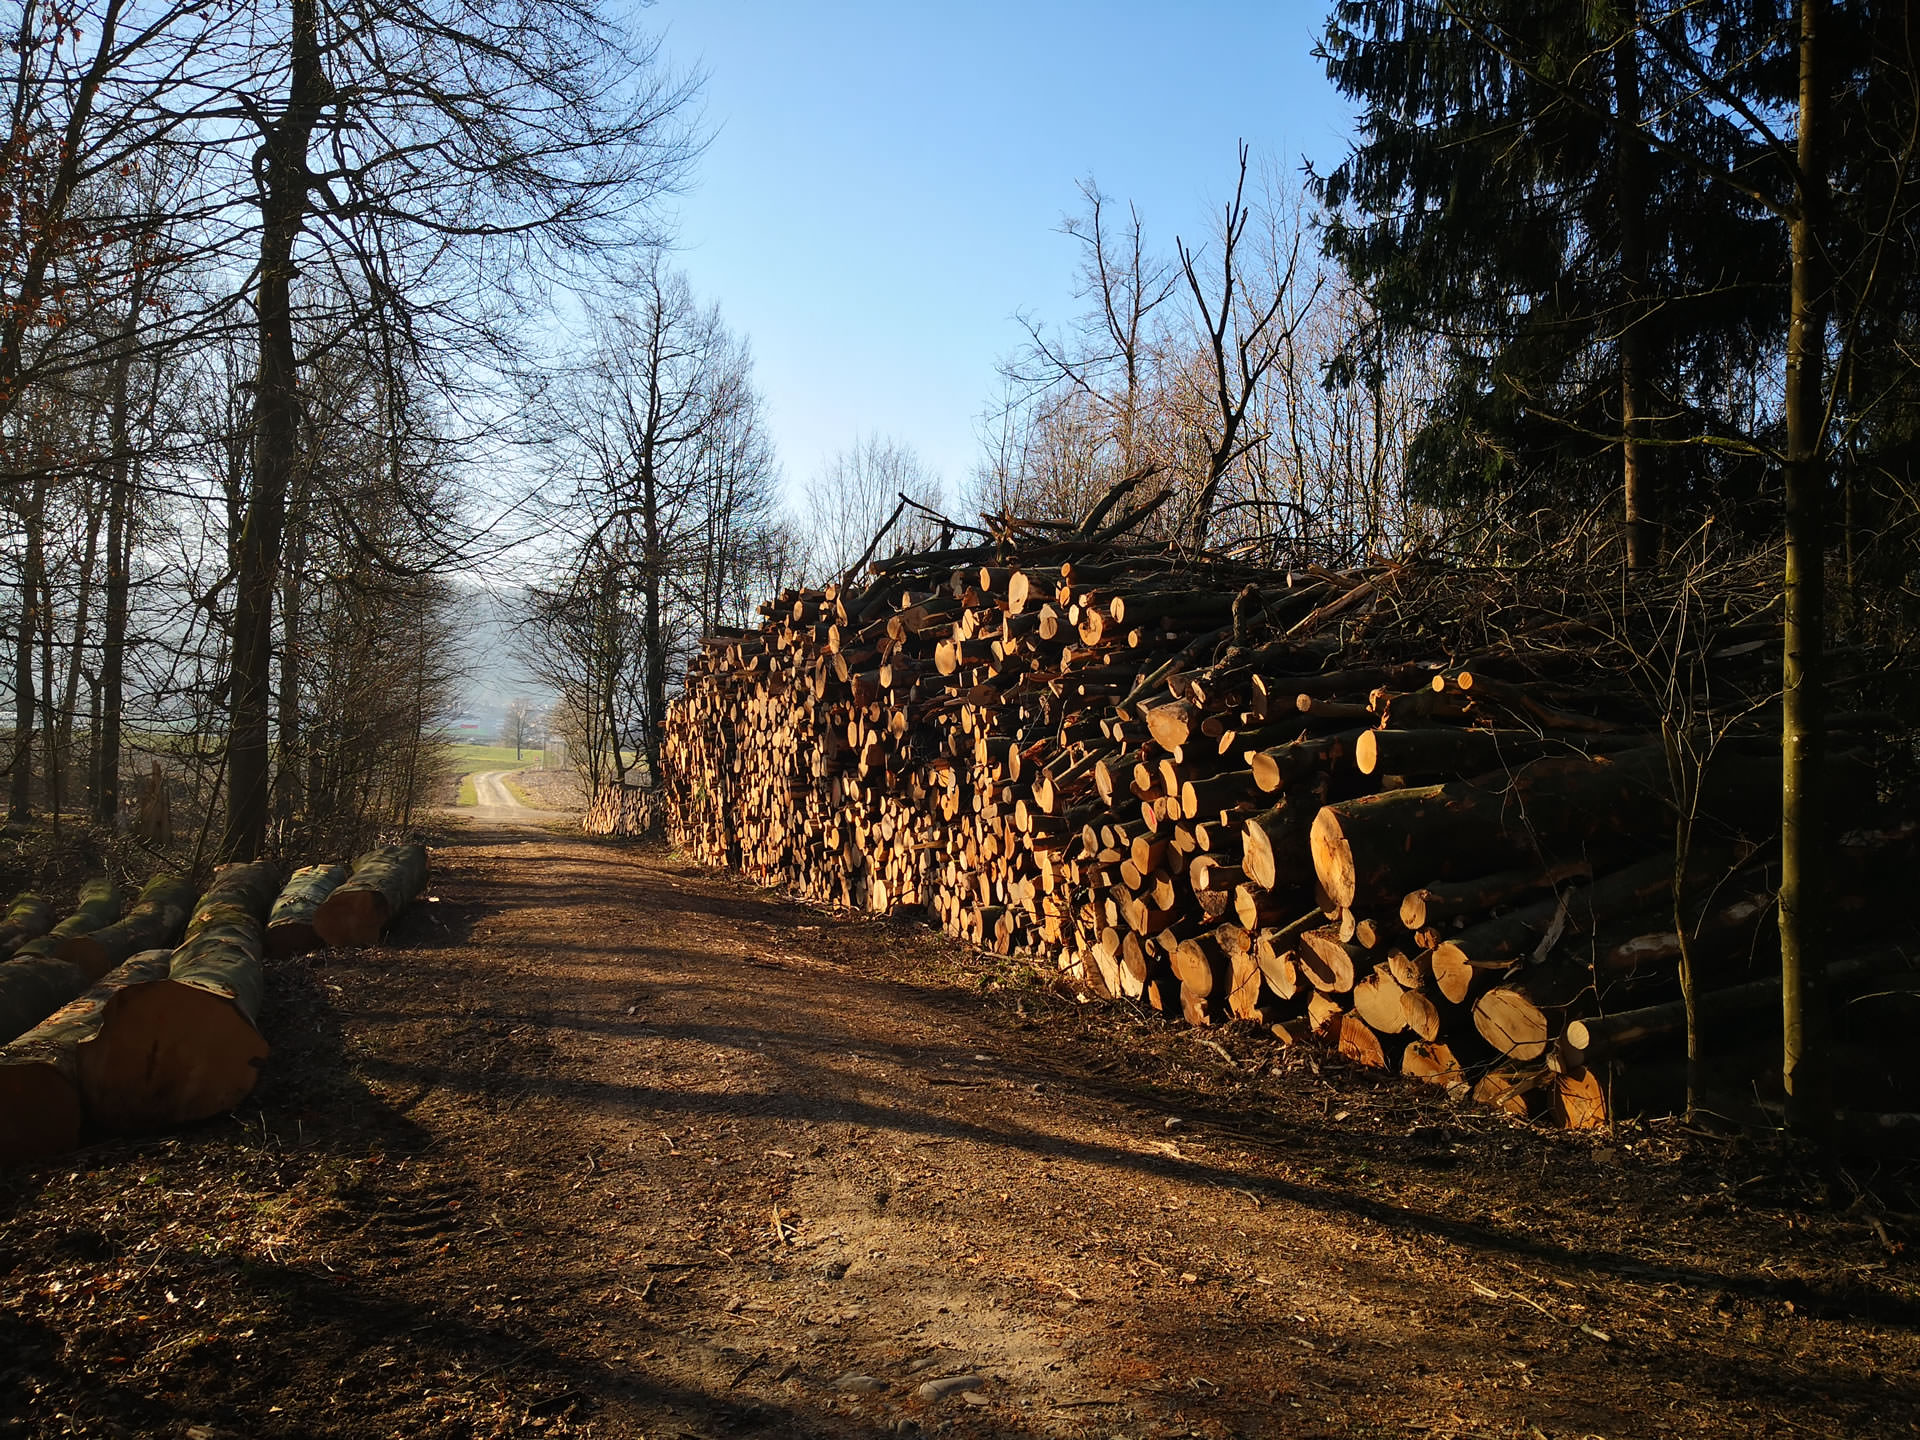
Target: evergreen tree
{"x": 1535, "y": 186}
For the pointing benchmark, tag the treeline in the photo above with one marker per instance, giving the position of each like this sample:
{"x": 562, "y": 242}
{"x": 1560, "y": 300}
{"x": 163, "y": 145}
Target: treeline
{"x": 272, "y": 278}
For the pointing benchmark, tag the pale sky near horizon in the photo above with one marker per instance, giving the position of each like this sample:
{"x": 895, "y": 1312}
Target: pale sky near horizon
{"x": 885, "y": 182}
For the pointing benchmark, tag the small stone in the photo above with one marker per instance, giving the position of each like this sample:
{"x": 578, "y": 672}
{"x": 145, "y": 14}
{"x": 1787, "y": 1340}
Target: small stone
{"x": 860, "y": 1384}
{"x": 936, "y": 1389}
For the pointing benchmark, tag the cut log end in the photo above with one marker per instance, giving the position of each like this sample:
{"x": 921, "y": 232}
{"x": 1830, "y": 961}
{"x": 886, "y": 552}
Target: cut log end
{"x": 1333, "y": 859}
{"x": 1511, "y": 1023}
{"x": 179, "y": 1053}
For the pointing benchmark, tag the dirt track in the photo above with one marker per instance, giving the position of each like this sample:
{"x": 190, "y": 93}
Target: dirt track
{"x": 495, "y": 804}
{"x": 605, "y": 1146}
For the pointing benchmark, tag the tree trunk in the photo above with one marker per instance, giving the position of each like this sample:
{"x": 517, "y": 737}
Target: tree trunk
{"x": 49, "y": 738}
{"x": 288, "y": 772}
{"x": 1802, "y": 741}
{"x": 20, "y": 788}
{"x": 113, "y": 639}
{"x": 1630, "y": 206}
{"x": 82, "y": 616}
{"x": 276, "y": 437}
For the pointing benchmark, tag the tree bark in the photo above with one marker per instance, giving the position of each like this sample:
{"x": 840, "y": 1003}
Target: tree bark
{"x": 1630, "y": 206}
{"x": 276, "y": 437}
{"x": 20, "y": 777}
{"x": 1802, "y": 741}
{"x": 113, "y": 638}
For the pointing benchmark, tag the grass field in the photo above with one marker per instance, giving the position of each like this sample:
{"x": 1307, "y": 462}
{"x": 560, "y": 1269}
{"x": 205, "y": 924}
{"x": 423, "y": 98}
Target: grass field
{"x": 467, "y": 797}
{"x": 491, "y": 757}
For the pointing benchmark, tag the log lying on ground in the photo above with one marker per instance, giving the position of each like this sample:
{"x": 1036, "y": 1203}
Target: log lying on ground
{"x": 154, "y": 921}
{"x": 382, "y": 884}
{"x": 99, "y": 905}
{"x": 253, "y": 887}
{"x": 290, "y": 923}
{"x": 28, "y": 917}
{"x": 187, "y": 1046}
{"x": 42, "y": 1110}
{"x": 32, "y": 987}
{"x": 1743, "y": 1009}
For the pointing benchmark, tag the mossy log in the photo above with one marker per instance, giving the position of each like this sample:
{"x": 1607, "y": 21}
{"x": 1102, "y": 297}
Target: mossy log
{"x": 290, "y": 923}
{"x": 42, "y": 1111}
{"x": 382, "y": 884}
{"x": 29, "y": 916}
{"x": 99, "y": 906}
{"x": 32, "y": 987}
{"x": 155, "y": 921}
{"x": 185, "y": 1046}
{"x": 251, "y": 886}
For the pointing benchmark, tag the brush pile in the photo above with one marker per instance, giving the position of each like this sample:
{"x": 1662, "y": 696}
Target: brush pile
{"x": 1446, "y": 824}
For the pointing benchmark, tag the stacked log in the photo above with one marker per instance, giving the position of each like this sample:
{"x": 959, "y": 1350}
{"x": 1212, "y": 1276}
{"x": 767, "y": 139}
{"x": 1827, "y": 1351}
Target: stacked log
{"x": 1173, "y": 781}
{"x": 383, "y": 882}
{"x": 628, "y": 811}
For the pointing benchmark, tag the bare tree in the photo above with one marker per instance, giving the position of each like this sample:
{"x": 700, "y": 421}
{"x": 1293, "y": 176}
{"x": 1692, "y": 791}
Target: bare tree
{"x": 853, "y": 496}
{"x": 1244, "y": 332}
{"x": 664, "y": 471}
{"x": 518, "y": 726}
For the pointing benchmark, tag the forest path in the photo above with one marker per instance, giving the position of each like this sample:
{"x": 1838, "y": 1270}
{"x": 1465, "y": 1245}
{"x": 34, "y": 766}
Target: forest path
{"x": 496, "y": 804}
{"x": 604, "y": 1145}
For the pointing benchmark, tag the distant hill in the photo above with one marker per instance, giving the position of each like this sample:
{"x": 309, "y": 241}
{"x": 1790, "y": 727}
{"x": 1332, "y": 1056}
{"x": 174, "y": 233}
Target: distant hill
{"x": 493, "y": 676}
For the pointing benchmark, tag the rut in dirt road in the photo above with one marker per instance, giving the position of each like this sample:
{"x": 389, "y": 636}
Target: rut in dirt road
{"x": 601, "y": 1145}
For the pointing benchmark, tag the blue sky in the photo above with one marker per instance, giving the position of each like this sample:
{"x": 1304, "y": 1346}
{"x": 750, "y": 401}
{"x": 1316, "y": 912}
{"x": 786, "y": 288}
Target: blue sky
{"x": 885, "y": 181}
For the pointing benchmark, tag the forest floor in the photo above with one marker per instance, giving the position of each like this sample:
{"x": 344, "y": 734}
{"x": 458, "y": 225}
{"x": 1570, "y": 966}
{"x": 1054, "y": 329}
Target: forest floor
{"x": 602, "y": 1144}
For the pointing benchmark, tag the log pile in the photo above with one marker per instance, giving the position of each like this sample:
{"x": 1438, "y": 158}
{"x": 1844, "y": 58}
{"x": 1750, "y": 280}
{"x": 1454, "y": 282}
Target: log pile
{"x": 1220, "y": 792}
{"x": 628, "y": 811}
{"x": 164, "y": 1036}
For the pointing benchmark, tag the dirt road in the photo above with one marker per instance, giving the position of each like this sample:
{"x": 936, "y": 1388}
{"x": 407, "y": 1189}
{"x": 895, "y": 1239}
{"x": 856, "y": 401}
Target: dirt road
{"x": 600, "y": 1145}
{"x": 496, "y": 804}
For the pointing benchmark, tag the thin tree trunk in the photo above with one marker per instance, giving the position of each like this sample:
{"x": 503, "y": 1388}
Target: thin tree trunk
{"x": 82, "y": 617}
{"x": 1802, "y": 958}
{"x": 1630, "y": 205}
{"x": 113, "y": 639}
{"x": 20, "y": 787}
{"x": 276, "y": 438}
{"x": 48, "y": 738}
{"x": 288, "y": 772}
